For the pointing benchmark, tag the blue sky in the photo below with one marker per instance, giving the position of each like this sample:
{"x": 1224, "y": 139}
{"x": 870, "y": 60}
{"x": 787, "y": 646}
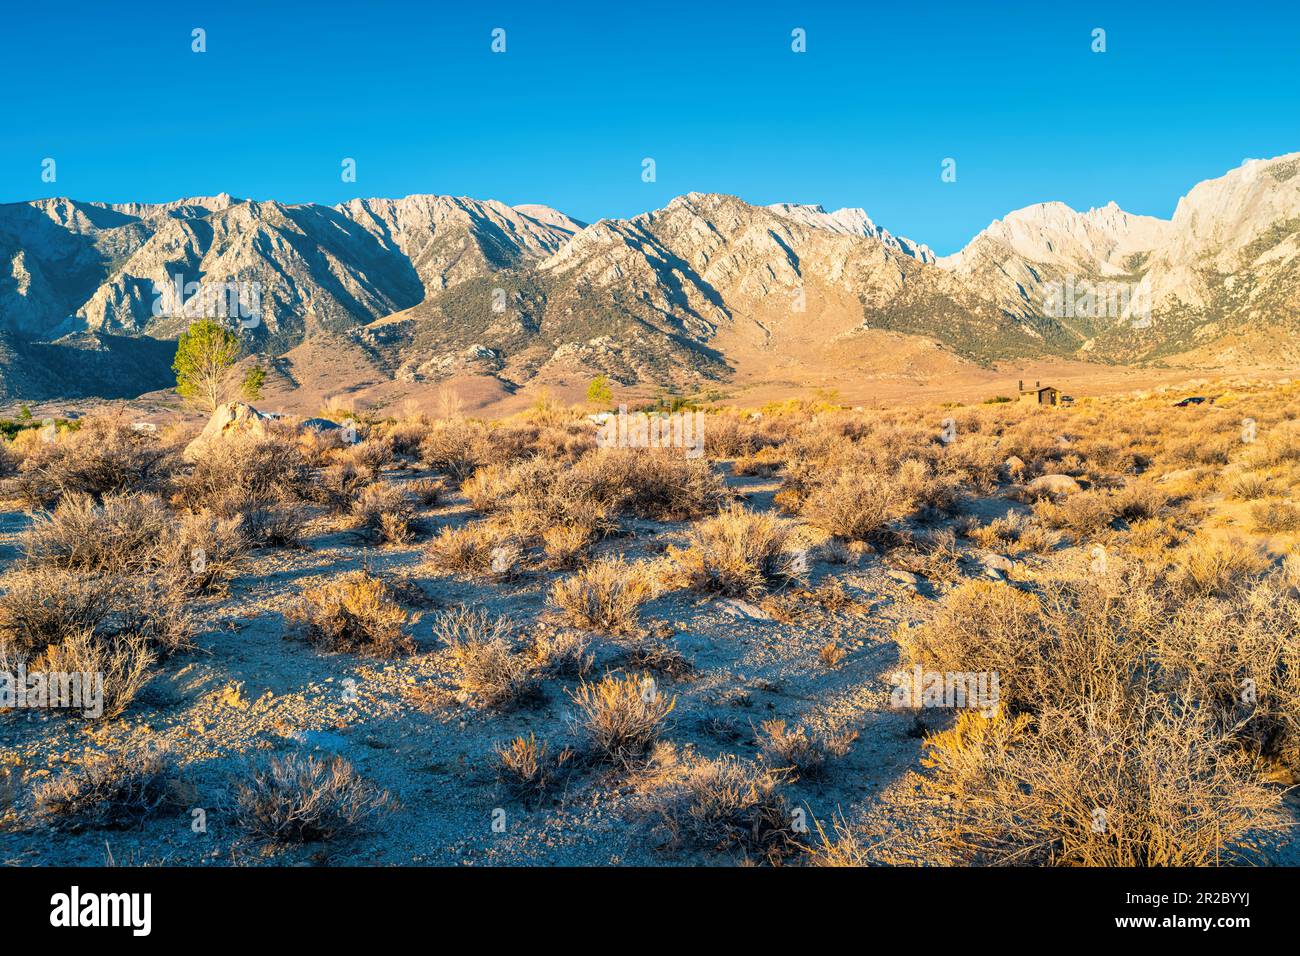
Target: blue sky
{"x": 712, "y": 92}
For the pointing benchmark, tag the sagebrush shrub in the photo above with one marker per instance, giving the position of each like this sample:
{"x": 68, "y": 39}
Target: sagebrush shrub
{"x": 621, "y": 717}
{"x": 122, "y": 666}
{"x": 109, "y": 791}
{"x": 529, "y": 766}
{"x": 383, "y": 513}
{"x": 301, "y": 799}
{"x": 489, "y": 669}
{"x": 730, "y": 805}
{"x": 855, "y": 506}
{"x": 740, "y": 553}
{"x": 1168, "y": 788}
{"x": 604, "y": 596}
{"x": 481, "y": 549}
{"x": 102, "y": 456}
{"x": 357, "y": 613}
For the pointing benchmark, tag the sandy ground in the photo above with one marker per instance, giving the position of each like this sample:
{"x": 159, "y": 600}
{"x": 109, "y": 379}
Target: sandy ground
{"x": 252, "y": 690}
{"x": 355, "y": 386}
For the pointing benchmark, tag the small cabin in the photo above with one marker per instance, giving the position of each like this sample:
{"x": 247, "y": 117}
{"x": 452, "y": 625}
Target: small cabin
{"x": 1040, "y": 394}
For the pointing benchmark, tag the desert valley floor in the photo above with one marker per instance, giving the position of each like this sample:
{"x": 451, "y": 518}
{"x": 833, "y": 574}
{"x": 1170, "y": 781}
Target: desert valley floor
{"x": 763, "y": 600}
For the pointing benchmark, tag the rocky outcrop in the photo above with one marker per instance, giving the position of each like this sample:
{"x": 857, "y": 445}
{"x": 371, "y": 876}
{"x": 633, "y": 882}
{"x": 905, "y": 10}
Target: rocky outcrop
{"x": 232, "y": 420}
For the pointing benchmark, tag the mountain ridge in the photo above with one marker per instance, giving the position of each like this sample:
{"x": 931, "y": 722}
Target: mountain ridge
{"x": 700, "y": 290}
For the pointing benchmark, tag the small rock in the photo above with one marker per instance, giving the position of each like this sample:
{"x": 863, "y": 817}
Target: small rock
{"x": 998, "y": 562}
{"x": 905, "y": 577}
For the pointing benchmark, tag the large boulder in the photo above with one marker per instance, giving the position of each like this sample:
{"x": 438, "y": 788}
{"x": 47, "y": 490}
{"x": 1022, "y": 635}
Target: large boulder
{"x": 229, "y": 420}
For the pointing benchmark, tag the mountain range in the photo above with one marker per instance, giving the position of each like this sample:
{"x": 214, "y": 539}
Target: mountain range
{"x": 705, "y": 290}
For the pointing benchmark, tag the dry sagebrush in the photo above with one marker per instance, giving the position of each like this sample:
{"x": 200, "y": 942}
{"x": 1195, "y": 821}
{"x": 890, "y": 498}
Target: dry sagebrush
{"x": 740, "y": 553}
{"x": 357, "y": 614}
{"x": 605, "y": 596}
{"x": 300, "y": 798}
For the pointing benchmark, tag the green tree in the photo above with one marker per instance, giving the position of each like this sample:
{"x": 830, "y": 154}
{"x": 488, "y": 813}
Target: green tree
{"x": 599, "y": 392}
{"x": 206, "y": 356}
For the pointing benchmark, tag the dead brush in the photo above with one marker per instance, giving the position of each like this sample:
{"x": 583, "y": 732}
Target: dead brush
{"x": 137, "y": 535}
{"x": 426, "y": 492}
{"x": 262, "y": 480}
{"x": 122, "y": 664}
{"x": 247, "y": 469}
{"x": 201, "y": 552}
{"x": 120, "y": 535}
{"x": 337, "y": 486}
{"x": 739, "y": 553}
{"x": 536, "y": 495}
{"x": 367, "y": 458}
{"x": 655, "y": 483}
{"x": 1249, "y": 486}
{"x": 855, "y": 506}
{"x": 477, "y": 550}
{"x": 981, "y": 626}
{"x": 102, "y": 456}
{"x": 528, "y": 766}
{"x": 455, "y": 447}
{"x": 794, "y": 749}
{"x": 42, "y": 606}
{"x": 727, "y": 806}
{"x": 567, "y": 546}
{"x": 1238, "y": 658}
{"x": 1220, "y": 566}
{"x": 1155, "y": 785}
{"x": 847, "y": 848}
{"x": 113, "y": 667}
{"x": 797, "y": 603}
{"x": 357, "y": 614}
{"x": 38, "y": 606}
{"x": 271, "y": 523}
{"x": 562, "y": 653}
{"x": 727, "y": 435}
{"x": 405, "y": 435}
{"x": 492, "y": 487}
{"x": 109, "y": 791}
{"x": 831, "y": 655}
{"x": 302, "y": 799}
{"x": 1275, "y": 517}
{"x": 605, "y": 596}
{"x": 9, "y": 460}
{"x": 383, "y": 513}
{"x": 620, "y": 717}
{"x": 934, "y": 556}
{"x": 1081, "y": 516}
{"x": 1015, "y": 534}
{"x": 762, "y": 464}
{"x": 657, "y": 656}
{"x": 489, "y": 669}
